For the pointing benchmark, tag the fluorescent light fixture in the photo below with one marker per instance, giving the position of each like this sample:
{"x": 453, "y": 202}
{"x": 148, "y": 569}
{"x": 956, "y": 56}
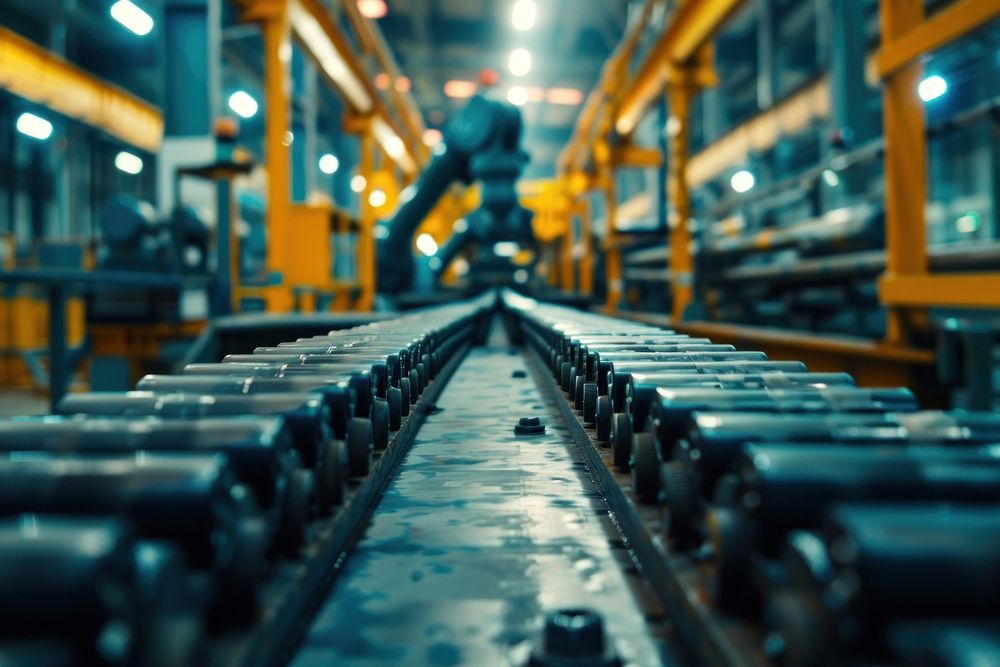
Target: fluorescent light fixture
{"x": 519, "y": 62}
{"x": 566, "y": 96}
{"x": 243, "y": 105}
{"x": 524, "y": 14}
{"x": 432, "y": 137}
{"x": 358, "y": 183}
{"x": 317, "y": 42}
{"x": 426, "y": 244}
{"x": 506, "y": 248}
{"x": 932, "y": 88}
{"x": 393, "y": 145}
{"x": 517, "y": 95}
{"x": 373, "y": 9}
{"x": 34, "y": 126}
{"x": 129, "y": 163}
{"x": 459, "y": 89}
{"x": 328, "y": 163}
{"x": 742, "y": 181}
{"x": 376, "y": 198}
{"x": 535, "y": 93}
{"x": 831, "y": 178}
{"x": 132, "y": 16}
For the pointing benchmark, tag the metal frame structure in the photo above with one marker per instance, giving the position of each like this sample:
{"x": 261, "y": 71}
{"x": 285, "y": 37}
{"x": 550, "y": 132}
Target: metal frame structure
{"x": 907, "y": 282}
{"x": 678, "y": 65}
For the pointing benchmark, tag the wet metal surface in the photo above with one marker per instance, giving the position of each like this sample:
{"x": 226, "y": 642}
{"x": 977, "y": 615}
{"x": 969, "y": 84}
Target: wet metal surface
{"x": 480, "y": 533}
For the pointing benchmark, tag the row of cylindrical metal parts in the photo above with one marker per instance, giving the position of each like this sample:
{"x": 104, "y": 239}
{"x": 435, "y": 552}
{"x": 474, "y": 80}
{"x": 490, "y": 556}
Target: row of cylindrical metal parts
{"x": 844, "y": 522}
{"x": 135, "y": 525}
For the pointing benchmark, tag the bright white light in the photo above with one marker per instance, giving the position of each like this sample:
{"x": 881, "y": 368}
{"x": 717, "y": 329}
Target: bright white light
{"x": 376, "y": 198}
{"x": 517, "y": 95}
{"x": 289, "y": 138}
{"x": 968, "y": 223}
{"x": 242, "y": 104}
{"x": 359, "y": 183}
{"x": 129, "y": 163}
{"x": 461, "y": 226}
{"x": 520, "y": 276}
{"x": 742, "y": 181}
{"x": 407, "y": 193}
{"x": 395, "y": 147}
{"x": 373, "y": 9}
{"x": 328, "y": 163}
{"x": 831, "y": 178}
{"x": 506, "y": 248}
{"x": 519, "y": 62}
{"x": 426, "y": 244}
{"x": 132, "y": 17}
{"x": 932, "y": 88}
{"x": 34, "y": 126}
{"x": 524, "y": 14}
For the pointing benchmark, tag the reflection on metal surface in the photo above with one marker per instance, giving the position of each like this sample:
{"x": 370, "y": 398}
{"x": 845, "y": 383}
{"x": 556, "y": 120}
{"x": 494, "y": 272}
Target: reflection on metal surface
{"x": 481, "y": 533}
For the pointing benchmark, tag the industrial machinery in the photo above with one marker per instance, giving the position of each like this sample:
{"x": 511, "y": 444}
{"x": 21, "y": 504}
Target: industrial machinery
{"x": 777, "y": 516}
{"x": 481, "y": 144}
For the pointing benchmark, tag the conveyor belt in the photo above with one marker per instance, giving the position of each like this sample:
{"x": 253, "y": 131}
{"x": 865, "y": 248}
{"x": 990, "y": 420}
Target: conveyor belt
{"x": 480, "y": 534}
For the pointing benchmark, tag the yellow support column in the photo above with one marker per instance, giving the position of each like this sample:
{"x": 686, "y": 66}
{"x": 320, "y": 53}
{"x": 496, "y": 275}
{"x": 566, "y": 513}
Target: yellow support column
{"x": 681, "y": 265}
{"x": 277, "y": 54}
{"x": 905, "y": 163}
{"x": 587, "y": 256}
{"x": 366, "y": 231}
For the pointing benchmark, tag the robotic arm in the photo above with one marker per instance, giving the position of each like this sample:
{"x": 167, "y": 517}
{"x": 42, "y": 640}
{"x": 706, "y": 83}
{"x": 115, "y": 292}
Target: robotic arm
{"x": 481, "y": 143}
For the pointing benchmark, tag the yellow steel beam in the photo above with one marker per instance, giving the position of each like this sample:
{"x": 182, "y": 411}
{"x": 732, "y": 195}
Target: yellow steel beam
{"x": 947, "y": 25}
{"x": 612, "y": 77}
{"x": 905, "y": 162}
{"x": 962, "y": 290}
{"x": 630, "y": 155}
{"x": 32, "y": 72}
{"x": 692, "y": 26}
{"x": 679, "y": 195}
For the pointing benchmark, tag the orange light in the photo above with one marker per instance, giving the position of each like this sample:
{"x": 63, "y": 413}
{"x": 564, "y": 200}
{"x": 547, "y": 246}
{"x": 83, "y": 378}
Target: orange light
{"x": 567, "y": 96}
{"x": 382, "y": 81}
{"x": 432, "y": 137}
{"x": 535, "y": 94}
{"x": 373, "y": 9}
{"x": 460, "y": 89}
{"x": 403, "y": 84}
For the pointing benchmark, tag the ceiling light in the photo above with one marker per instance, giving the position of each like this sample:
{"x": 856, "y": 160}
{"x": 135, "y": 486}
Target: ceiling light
{"x": 517, "y": 96}
{"x": 377, "y": 198}
{"x": 382, "y": 81}
{"x": 506, "y": 248}
{"x": 432, "y": 137}
{"x": 359, "y": 183}
{"x": 34, "y": 126}
{"x": 524, "y": 14}
{"x": 535, "y": 93}
{"x": 314, "y": 38}
{"x": 742, "y": 181}
{"x": 519, "y": 62}
{"x": 831, "y": 178}
{"x": 132, "y": 17}
{"x": 932, "y": 88}
{"x": 243, "y": 104}
{"x": 567, "y": 96}
{"x": 459, "y": 89}
{"x": 129, "y": 163}
{"x": 403, "y": 84}
{"x": 328, "y": 163}
{"x": 426, "y": 244}
{"x": 373, "y": 9}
